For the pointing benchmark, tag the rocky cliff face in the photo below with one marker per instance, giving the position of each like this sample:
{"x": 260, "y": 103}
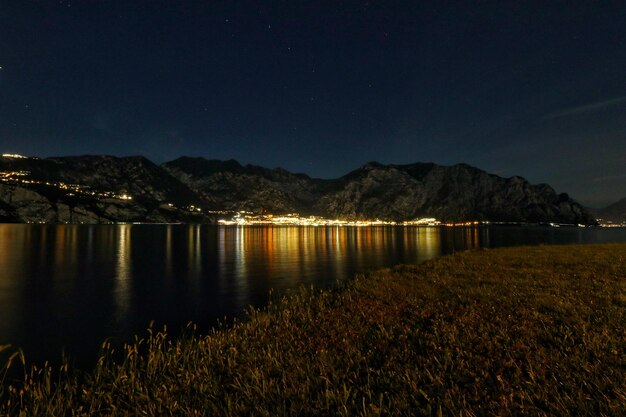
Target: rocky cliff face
{"x": 231, "y": 186}
{"x": 94, "y": 189}
{"x": 23, "y": 205}
{"x": 134, "y": 175}
{"x": 18, "y": 204}
{"x": 454, "y": 193}
{"x": 91, "y": 189}
{"x": 397, "y": 192}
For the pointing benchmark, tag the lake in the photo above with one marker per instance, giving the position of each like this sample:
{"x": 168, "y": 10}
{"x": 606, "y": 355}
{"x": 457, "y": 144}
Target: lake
{"x": 65, "y": 288}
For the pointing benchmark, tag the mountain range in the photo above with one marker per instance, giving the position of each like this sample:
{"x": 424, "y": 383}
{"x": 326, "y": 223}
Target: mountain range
{"x": 96, "y": 189}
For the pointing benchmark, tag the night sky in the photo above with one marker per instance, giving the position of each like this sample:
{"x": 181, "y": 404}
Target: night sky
{"x": 515, "y": 88}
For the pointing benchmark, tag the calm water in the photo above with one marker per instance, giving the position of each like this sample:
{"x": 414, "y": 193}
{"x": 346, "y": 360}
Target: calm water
{"x": 68, "y": 287}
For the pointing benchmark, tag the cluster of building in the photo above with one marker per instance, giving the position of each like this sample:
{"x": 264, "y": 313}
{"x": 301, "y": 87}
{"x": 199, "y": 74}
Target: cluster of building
{"x": 244, "y": 218}
{"x": 610, "y": 223}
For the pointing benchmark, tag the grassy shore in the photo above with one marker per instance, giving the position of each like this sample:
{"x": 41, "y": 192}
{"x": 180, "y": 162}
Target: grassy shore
{"x": 517, "y": 331}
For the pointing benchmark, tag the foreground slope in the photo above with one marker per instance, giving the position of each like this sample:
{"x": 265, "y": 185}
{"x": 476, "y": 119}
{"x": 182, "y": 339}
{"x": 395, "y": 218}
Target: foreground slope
{"x": 519, "y": 331}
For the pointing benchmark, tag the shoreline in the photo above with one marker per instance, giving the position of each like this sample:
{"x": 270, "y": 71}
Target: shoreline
{"x": 518, "y": 330}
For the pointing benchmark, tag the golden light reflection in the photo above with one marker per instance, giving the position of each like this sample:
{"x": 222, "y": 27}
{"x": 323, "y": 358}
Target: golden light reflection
{"x": 65, "y": 250}
{"x": 59, "y": 246}
{"x": 194, "y": 249}
{"x": 12, "y": 251}
{"x": 168, "y": 251}
{"x": 221, "y": 247}
{"x": 428, "y": 242}
{"x": 90, "y": 231}
{"x": 43, "y": 253}
{"x": 123, "y": 272}
{"x": 240, "y": 254}
{"x": 231, "y": 255}
{"x": 14, "y": 254}
{"x": 284, "y": 253}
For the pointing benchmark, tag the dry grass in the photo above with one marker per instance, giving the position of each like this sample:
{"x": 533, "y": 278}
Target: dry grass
{"x": 517, "y": 331}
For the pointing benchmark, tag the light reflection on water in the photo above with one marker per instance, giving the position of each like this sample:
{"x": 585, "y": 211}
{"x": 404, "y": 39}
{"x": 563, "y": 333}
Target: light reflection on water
{"x": 71, "y": 286}
{"x": 123, "y": 274}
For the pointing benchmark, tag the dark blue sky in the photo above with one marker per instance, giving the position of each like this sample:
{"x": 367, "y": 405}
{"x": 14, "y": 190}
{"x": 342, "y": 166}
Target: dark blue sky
{"x": 515, "y": 88}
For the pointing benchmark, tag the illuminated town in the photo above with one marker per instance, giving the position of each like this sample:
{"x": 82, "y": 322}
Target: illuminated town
{"x": 244, "y": 218}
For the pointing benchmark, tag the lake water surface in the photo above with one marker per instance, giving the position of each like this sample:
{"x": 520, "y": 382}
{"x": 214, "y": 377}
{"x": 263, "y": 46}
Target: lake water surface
{"x": 65, "y": 288}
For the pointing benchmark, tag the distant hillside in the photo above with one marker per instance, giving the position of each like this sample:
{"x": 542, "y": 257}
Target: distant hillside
{"x": 100, "y": 188}
{"x": 614, "y": 213}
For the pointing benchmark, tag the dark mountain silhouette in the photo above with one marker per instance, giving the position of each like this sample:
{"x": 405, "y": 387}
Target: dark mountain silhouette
{"x": 395, "y": 192}
{"x": 97, "y": 189}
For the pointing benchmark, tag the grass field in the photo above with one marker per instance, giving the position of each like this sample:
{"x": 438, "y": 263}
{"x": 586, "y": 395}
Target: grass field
{"x": 516, "y": 331}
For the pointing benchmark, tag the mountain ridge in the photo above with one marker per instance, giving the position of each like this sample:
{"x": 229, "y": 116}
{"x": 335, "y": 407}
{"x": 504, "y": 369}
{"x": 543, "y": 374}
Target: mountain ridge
{"x": 104, "y": 188}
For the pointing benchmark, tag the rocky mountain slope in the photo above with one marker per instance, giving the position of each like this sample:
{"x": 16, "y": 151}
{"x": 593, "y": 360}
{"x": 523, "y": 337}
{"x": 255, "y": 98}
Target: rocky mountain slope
{"x": 396, "y": 192}
{"x": 231, "y": 186}
{"x": 104, "y": 188}
{"x": 453, "y": 193}
{"x": 90, "y": 189}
